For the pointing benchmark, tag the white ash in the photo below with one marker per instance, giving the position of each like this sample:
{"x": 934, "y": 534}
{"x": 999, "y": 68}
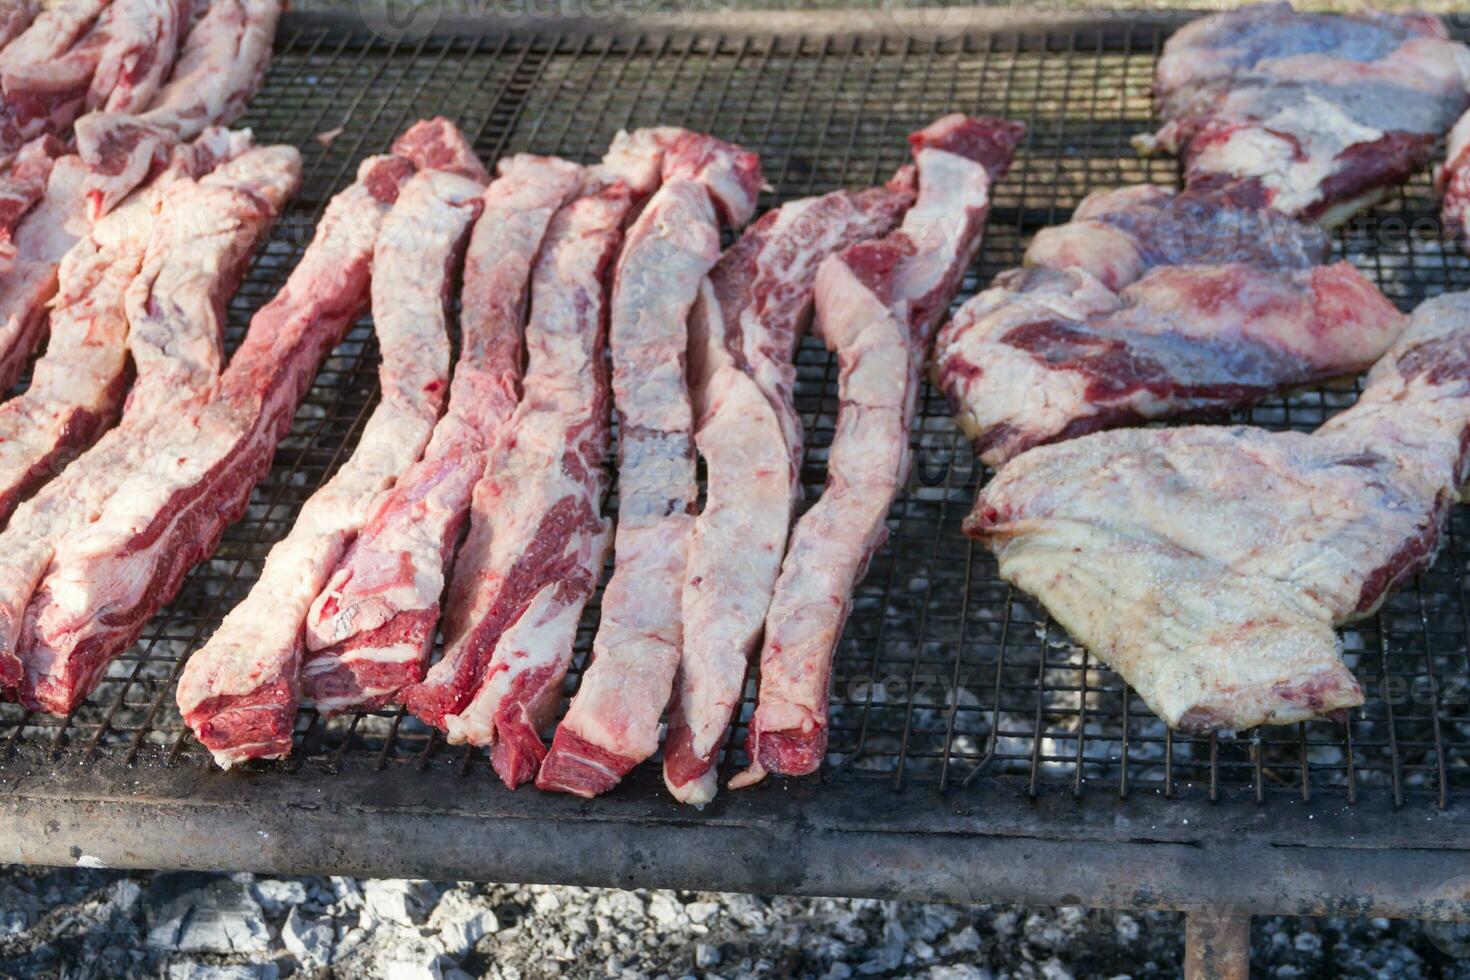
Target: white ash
{"x": 83, "y": 923}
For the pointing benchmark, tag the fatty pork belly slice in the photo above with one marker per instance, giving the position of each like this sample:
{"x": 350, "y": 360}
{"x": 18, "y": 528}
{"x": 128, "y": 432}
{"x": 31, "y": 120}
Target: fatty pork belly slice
{"x": 1210, "y": 566}
{"x": 79, "y": 493}
{"x": 414, "y": 263}
{"x": 877, "y": 305}
{"x": 369, "y": 632}
{"x": 86, "y": 55}
{"x": 228, "y": 695}
{"x": 1047, "y": 355}
{"x": 612, "y": 723}
{"x": 1310, "y": 114}
{"x": 537, "y": 537}
{"x": 172, "y": 506}
{"x": 51, "y": 229}
{"x": 743, "y": 335}
{"x": 221, "y": 64}
{"x": 194, "y": 237}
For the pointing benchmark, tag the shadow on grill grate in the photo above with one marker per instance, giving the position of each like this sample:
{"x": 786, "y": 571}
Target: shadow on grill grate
{"x": 944, "y": 671}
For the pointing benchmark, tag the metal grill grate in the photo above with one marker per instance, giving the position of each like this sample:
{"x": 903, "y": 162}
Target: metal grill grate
{"x": 944, "y": 672}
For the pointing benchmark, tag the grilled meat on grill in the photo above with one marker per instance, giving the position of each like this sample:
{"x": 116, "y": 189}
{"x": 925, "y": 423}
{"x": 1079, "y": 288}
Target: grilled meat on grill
{"x": 1209, "y": 566}
{"x": 221, "y": 64}
{"x": 878, "y": 304}
{"x": 537, "y": 537}
{"x": 67, "y": 512}
{"x": 613, "y": 722}
{"x": 370, "y": 631}
{"x": 1314, "y": 115}
{"x": 196, "y": 220}
{"x": 1147, "y": 306}
{"x": 238, "y": 698}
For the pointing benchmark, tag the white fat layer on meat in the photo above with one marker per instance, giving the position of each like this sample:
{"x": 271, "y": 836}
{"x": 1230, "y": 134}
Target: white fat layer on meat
{"x": 549, "y": 462}
{"x": 52, "y": 227}
{"x": 750, "y": 437}
{"x": 411, "y": 266}
{"x": 541, "y": 638}
{"x": 220, "y": 65}
{"x": 882, "y": 350}
{"x": 1317, "y": 322}
{"x": 1253, "y": 151}
{"x": 260, "y": 639}
{"x": 228, "y": 665}
{"x": 84, "y": 362}
{"x": 1211, "y": 566}
{"x": 412, "y": 526}
{"x": 89, "y": 56}
{"x": 665, "y": 258}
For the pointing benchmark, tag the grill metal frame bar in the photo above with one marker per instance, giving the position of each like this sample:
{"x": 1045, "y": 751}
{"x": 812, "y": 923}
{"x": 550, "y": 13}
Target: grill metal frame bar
{"x": 1054, "y": 765}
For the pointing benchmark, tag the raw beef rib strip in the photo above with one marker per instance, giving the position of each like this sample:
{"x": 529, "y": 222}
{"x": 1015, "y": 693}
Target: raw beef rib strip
{"x": 414, "y": 264}
{"x": 743, "y": 335}
{"x": 877, "y": 305}
{"x": 86, "y": 55}
{"x": 1209, "y": 566}
{"x": 200, "y": 465}
{"x": 228, "y": 695}
{"x": 537, "y": 538}
{"x": 198, "y": 251}
{"x": 186, "y": 230}
{"x": 79, "y": 493}
{"x": 222, "y": 62}
{"x": 371, "y": 629}
{"x": 612, "y": 723}
{"x": 45, "y": 235}
{"x": 1315, "y": 115}
{"x": 21, "y": 187}
{"x": 1102, "y": 331}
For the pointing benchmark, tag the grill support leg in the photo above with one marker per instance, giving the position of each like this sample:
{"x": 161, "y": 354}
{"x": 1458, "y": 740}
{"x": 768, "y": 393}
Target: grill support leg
{"x": 1217, "y": 944}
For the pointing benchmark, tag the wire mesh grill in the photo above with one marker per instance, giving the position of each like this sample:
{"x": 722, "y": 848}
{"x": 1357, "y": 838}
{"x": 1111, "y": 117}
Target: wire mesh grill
{"x": 944, "y": 671}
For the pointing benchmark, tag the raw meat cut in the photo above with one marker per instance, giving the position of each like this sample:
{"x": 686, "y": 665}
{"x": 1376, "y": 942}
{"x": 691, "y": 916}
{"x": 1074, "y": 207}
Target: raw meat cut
{"x": 221, "y": 64}
{"x": 84, "y": 611}
{"x": 743, "y": 335}
{"x": 537, "y": 538}
{"x": 41, "y": 525}
{"x": 1209, "y": 566}
{"x": 53, "y": 226}
{"x": 15, "y": 17}
{"x": 878, "y": 304}
{"x": 1107, "y": 328}
{"x": 612, "y": 723}
{"x": 414, "y": 264}
{"x": 1453, "y": 181}
{"x": 184, "y": 229}
{"x": 86, "y": 55}
{"x": 21, "y": 187}
{"x": 1116, "y": 236}
{"x": 1314, "y": 115}
{"x": 193, "y": 469}
{"x": 370, "y": 631}
{"x": 229, "y": 695}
